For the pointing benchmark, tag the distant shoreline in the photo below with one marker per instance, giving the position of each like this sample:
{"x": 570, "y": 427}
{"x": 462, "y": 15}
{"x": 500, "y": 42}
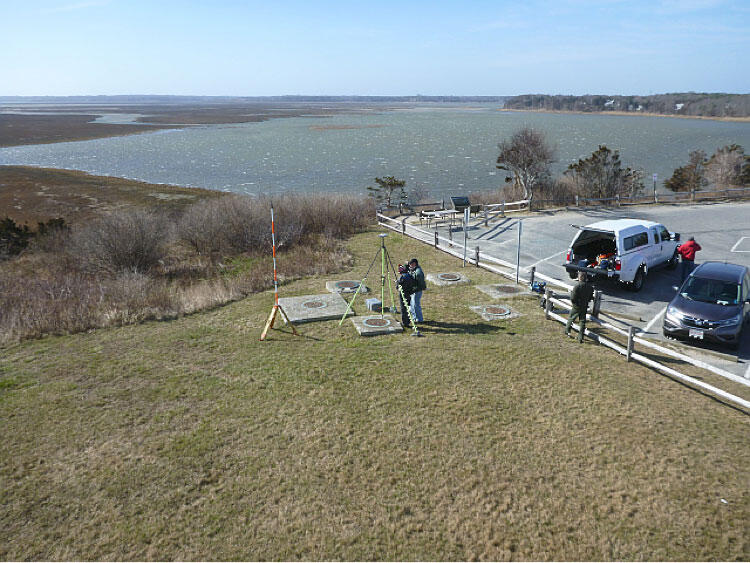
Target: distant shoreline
{"x": 630, "y": 113}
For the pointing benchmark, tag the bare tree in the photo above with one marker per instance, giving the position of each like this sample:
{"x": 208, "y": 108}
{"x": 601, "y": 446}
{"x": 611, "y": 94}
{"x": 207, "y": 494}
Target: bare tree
{"x": 724, "y": 168}
{"x": 527, "y": 156}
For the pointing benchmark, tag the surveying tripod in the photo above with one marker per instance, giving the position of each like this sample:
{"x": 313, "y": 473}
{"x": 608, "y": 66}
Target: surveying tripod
{"x": 385, "y": 263}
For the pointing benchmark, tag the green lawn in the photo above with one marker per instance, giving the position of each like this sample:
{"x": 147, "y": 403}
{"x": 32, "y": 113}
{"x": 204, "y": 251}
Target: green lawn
{"x": 190, "y": 439}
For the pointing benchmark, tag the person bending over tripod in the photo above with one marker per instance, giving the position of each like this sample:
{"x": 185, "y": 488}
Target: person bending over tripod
{"x": 407, "y": 286}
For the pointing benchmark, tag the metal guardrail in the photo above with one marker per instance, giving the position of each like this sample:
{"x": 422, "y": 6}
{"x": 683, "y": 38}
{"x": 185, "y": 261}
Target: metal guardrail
{"x": 491, "y": 263}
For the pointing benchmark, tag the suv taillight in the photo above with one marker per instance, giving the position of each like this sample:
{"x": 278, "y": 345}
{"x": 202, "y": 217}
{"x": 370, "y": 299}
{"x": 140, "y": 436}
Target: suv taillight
{"x": 617, "y": 265}
{"x": 567, "y": 256}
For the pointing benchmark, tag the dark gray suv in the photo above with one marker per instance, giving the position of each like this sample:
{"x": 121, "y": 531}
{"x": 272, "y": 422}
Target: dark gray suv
{"x": 713, "y": 304}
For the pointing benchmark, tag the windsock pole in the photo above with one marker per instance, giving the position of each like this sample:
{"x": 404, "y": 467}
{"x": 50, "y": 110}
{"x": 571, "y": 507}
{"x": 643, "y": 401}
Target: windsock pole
{"x": 276, "y": 307}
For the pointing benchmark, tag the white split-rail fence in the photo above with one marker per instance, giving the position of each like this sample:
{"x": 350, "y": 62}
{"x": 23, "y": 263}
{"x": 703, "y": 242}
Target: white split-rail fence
{"x": 494, "y": 264}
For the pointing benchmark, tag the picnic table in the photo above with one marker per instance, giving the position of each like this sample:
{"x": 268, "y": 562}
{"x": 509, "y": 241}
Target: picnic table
{"x": 443, "y": 214}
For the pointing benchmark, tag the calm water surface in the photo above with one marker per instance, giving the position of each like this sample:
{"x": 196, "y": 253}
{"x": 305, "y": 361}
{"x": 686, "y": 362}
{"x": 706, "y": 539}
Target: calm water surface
{"x": 446, "y": 150}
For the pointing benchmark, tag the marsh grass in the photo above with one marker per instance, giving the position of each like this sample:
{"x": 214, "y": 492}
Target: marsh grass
{"x": 190, "y": 439}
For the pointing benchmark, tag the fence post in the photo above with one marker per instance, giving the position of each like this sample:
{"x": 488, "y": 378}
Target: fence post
{"x": 518, "y": 250}
{"x": 547, "y": 303}
{"x": 618, "y": 200}
{"x": 597, "y": 304}
{"x": 436, "y": 237}
{"x": 450, "y": 236}
{"x": 486, "y": 215}
{"x": 476, "y": 256}
{"x": 403, "y": 226}
{"x": 631, "y": 333}
{"x": 503, "y": 208}
{"x": 533, "y": 273}
{"x": 577, "y": 203}
{"x": 442, "y": 203}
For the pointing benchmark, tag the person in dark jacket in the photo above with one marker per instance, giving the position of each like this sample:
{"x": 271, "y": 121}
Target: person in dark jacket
{"x": 407, "y": 285}
{"x": 580, "y": 296}
{"x": 687, "y": 253}
{"x": 416, "y": 298}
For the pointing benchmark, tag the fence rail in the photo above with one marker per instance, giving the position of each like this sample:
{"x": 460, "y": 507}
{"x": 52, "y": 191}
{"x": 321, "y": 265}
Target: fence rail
{"x": 674, "y": 197}
{"x": 492, "y": 210}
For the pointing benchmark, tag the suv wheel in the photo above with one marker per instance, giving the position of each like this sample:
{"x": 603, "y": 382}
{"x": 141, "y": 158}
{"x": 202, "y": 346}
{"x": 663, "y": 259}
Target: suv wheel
{"x": 637, "y": 282}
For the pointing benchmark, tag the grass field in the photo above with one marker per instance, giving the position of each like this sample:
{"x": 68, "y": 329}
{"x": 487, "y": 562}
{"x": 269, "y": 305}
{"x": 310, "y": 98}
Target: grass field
{"x": 190, "y": 439}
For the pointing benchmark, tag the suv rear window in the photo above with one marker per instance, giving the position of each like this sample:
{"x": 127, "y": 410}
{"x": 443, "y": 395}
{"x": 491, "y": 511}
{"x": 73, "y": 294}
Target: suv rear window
{"x": 629, "y": 243}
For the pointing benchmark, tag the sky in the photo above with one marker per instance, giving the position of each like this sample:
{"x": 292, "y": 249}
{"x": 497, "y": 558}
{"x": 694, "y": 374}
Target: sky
{"x": 385, "y": 47}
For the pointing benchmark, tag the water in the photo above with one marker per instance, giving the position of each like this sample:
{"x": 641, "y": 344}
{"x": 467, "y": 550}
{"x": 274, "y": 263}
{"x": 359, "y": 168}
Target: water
{"x": 447, "y": 150}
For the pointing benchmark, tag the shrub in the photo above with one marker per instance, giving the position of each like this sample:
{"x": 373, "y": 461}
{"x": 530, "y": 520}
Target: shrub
{"x": 13, "y": 238}
{"x": 240, "y": 224}
{"x": 107, "y": 274}
{"x": 122, "y": 241}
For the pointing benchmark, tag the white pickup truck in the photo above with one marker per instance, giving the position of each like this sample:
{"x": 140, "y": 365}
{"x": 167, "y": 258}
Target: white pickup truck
{"x": 622, "y": 249}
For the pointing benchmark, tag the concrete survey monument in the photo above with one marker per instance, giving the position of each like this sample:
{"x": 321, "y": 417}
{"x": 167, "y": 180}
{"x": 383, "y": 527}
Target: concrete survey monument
{"x": 346, "y": 286}
{"x": 495, "y": 312}
{"x": 374, "y": 325}
{"x": 309, "y": 308}
{"x": 447, "y": 278}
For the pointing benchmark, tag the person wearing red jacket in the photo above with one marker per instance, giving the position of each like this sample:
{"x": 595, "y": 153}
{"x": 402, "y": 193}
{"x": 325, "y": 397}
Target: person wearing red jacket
{"x": 687, "y": 253}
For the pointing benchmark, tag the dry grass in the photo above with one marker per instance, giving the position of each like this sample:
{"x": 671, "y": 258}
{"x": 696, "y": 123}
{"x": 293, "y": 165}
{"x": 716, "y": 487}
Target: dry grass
{"x": 135, "y": 254}
{"x": 51, "y": 293}
{"x": 190, "y": 439}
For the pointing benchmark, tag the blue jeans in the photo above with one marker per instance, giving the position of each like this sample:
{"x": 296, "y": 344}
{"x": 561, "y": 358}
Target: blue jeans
{"x": 416, "y": 306}
{"x": 687, "y": 267}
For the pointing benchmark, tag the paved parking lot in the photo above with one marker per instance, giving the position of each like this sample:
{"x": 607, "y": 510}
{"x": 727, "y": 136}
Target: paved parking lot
{"x": 722, "y": 229}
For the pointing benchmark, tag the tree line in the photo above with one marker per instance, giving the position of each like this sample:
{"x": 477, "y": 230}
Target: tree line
{"x": 526, "y": 157}
{"x": 686, "y": 104}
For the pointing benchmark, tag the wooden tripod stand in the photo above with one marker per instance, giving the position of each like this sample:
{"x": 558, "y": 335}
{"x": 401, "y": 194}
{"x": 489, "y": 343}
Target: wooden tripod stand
{"x": 276, "y": 307}
{"x": 272, "y": 318}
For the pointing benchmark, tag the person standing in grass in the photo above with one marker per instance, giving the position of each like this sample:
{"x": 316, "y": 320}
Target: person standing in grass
{"x": 580, "y": 296}
{"x": 416, "y": 298}
{"x": 407, "y": 285}
{"x": 687, "y": 253}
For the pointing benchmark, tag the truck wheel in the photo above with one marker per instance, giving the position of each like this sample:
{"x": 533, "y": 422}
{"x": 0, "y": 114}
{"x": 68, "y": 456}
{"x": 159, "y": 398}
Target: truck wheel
{"x": 672, "y": 263}
{"x": 572, "y": 275}
{"x": 637, "y": 282}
